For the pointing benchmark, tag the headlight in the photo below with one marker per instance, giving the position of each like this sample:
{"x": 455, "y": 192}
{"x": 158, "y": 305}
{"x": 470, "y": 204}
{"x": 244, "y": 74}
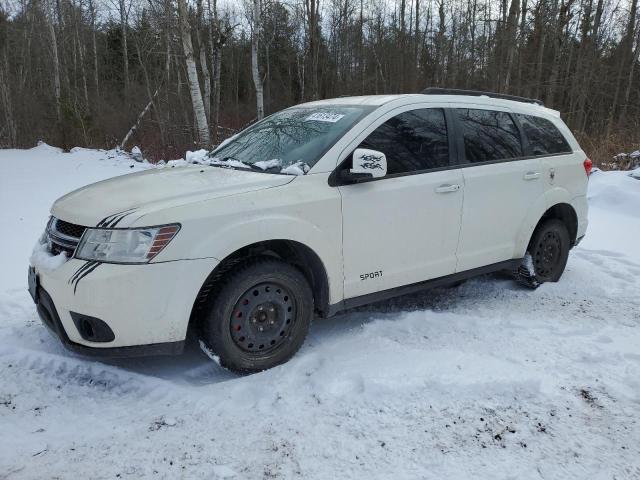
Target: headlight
{"x": 125, "y": 245}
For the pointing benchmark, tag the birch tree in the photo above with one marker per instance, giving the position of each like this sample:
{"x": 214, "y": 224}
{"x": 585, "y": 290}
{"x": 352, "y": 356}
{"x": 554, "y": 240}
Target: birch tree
{"x": 204, "y": 66}
{"x": 56, "y": 67}
{"x": 255, "y": 70}
{"x": 192, "y": 75}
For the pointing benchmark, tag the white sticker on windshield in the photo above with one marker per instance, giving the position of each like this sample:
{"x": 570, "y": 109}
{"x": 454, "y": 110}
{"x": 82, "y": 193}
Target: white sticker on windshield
{"x": 324, "y": 117}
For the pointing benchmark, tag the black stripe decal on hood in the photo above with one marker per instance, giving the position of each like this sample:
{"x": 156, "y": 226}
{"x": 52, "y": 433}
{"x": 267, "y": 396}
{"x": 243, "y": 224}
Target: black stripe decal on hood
{"x": 104, "y": 222}
{"x": 116, "y": 220}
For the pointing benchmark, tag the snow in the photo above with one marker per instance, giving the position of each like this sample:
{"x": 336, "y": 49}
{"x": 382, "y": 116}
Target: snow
{"x": 136, "y": 154}
{"x": 30, "y": 180}
{"x": 483, "y": 380}
{"x": 267, "y": 164}
{"x": 43, "y": 260}
{"x": 199, "y": 156}
{"x": 298, "y": 168}
{"x": 528, "y": 264}
{"x": 205, "y": 157}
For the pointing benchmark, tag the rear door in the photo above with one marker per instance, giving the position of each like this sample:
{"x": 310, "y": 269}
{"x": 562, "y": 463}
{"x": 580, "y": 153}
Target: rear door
{"x": 500, "y": 185}
{"x": 560, "y": 165}
{"x": 402, "y": 228}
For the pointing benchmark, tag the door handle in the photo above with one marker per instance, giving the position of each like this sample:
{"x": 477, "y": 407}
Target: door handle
{"x": 448, "y": 188}
{"x": 531, "y": 176}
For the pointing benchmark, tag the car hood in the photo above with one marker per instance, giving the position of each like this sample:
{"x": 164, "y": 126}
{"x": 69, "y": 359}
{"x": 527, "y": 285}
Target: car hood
{"x": 119, "y": 200}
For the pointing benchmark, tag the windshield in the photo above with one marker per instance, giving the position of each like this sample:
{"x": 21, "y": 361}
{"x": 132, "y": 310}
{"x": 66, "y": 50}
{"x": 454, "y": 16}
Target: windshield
{"x": 290, "y": 141}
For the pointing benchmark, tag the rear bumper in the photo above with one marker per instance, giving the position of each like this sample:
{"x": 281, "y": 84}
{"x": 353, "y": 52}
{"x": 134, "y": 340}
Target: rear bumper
{"x": 581, "y": 208}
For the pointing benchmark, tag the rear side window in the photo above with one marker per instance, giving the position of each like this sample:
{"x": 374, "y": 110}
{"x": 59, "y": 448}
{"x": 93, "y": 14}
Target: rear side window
{"x": 543, "y": 136}
{"x": 412, "y": 141}
{"x": 489, "y": 135}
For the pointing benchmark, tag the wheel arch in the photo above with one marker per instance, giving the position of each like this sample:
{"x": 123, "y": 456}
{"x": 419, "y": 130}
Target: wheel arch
{"x": 567, "y": 215}
{"x": 538, "y": 213}
{"x": 291, "y": 251}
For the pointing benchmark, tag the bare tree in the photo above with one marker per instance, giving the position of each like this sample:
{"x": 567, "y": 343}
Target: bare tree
{"x": 5, "y": 98}
{"x": 124, "y": 18}
{"x": 192, "y": 74}
{"x": 204, "y": 66}
{"x": 56, "y": 67}
{"x": 255, "y": 70}
{"x": 634, "y": 56}
{"x": 94, "y": 47}
{"x": 510, "y": 38}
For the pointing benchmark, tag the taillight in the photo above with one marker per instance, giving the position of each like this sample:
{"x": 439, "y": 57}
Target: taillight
{"x": 588, "y": 165}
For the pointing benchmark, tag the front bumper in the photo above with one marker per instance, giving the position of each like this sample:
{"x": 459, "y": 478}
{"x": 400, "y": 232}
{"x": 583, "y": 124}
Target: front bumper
{"x": 49, "y": 316}
{"x": 146, "y": 308}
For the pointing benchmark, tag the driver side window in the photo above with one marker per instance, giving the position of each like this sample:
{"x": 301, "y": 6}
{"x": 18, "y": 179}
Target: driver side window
{"x": 412, "y": 141}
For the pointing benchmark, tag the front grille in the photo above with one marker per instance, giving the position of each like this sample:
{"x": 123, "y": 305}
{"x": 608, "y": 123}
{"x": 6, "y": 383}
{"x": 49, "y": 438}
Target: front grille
{"x": 64, "y": 236}
{"x": 57, "y": 249}
{"x": 69, "y": 229}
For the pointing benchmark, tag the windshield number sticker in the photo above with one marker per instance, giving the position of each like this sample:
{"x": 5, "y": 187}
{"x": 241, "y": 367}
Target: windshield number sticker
{"x": 324, "y": 117}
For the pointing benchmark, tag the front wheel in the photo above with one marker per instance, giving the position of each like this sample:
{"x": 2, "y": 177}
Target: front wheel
{"x": 259, "y": 317}
{"x": 546, "y": 256}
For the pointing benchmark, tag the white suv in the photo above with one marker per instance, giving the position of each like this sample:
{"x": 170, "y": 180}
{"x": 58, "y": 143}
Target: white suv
{"x": 318, "y": 208}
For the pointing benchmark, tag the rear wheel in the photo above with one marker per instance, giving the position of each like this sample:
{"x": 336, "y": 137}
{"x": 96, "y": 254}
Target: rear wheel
{"x": 259, "y": 317}
{"x": 546, "y": 256}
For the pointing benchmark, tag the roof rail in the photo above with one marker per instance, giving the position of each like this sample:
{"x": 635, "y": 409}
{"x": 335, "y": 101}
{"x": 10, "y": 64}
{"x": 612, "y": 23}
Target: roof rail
{"x": 479, "y": 93}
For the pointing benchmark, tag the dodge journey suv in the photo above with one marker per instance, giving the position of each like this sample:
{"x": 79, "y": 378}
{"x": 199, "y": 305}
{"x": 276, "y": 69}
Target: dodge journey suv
{"x": 318, "y": 208}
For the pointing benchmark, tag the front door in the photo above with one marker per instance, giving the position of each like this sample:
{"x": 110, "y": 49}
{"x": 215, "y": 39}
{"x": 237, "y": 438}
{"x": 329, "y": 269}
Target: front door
{"x": 403, "y": 228}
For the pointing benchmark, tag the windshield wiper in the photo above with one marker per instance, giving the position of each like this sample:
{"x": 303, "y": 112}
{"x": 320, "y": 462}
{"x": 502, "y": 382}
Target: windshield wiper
{"x": 249, "y": 166}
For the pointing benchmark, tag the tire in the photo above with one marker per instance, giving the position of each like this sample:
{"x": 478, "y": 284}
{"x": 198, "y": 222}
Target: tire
{"x": 259, "y": 316}
{"x": 546, "y": 256}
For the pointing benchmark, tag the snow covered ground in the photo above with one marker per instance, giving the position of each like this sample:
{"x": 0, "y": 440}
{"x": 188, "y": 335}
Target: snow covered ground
{"x": 485, "y": 380}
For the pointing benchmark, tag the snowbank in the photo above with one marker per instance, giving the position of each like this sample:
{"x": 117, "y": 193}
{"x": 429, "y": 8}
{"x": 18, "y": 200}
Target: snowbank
{"x": 31, "y": 180}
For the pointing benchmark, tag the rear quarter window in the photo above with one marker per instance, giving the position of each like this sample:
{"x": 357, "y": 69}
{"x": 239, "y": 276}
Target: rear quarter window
{"x": 543, "y": 136}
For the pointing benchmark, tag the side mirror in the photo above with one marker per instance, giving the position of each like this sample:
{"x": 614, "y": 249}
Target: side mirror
{"x": 370, "y": 162}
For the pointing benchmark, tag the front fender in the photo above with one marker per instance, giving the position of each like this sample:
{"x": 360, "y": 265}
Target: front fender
{"x": 232, "y": 238}
{"x": 306, "y": 210}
